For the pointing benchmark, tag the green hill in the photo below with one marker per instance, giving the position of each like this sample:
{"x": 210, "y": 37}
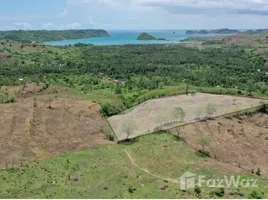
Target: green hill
{"x": 145, "y": 36}
{"x": 45, "y": 35}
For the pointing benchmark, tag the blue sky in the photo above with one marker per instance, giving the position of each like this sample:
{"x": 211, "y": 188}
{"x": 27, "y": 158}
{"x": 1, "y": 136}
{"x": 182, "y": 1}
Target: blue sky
{"x": 133, "y": 14}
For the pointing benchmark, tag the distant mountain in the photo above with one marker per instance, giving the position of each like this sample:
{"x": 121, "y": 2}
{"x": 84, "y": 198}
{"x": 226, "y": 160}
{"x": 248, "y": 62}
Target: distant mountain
{"x": 45, "y": 35}
{"x": 196, "y": 32}
{"x": 216, "y": 31}
{"x": 145, "y": 36}
{"x": 224, "y": 31}
{"x": 256, "y": 31}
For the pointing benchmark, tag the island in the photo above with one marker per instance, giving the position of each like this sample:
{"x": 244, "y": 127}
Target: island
{"x": 196, "y": 32}
{"x": 162, "y": 39}
{"x": 216, "y": 31}
{"x": 31, "y": 36}
{"x": 145, "y": 36}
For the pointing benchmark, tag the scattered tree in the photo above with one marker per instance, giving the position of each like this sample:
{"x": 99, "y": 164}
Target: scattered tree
{"x": 35, "y": 104}
{"x": 49, "y": 100}
{"x": 129, "y": 127}
{"x": 250, "y": 87}
{"x": 198, "y": 113}
{"x": 258, "y": 172}
{"x": 210, "y": 110}
{"x": 178, "y": 114}
{"x": 187, "y": 89}
{"x": 204, "y": 141}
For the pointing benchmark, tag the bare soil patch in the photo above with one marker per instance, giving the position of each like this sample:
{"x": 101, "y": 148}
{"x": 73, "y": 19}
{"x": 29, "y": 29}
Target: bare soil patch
{"x": 240, "y": 142}
{"x": 150, "y": 115}
{"x": 29, "y": 133}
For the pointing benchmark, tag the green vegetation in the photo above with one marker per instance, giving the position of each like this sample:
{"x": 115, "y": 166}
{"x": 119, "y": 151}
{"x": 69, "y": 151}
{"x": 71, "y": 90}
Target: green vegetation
{"x": 120, "y": 77}
{"x": 178, "y": 114}
{"x": 106, "y": 172}
{"x": 44, "y": 36}
{"x": 204, "y": 141}
{"x": 7, "y": 96}
{"x": 145, "y": 36}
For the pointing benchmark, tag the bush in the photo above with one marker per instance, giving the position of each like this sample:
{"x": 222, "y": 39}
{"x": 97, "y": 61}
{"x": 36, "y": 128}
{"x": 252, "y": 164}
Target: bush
{"x": 258, "y": 172}
{"x": 203, "y": 154}
{"x": 254, "y": 195}
{"x": 110, "y": 137}
{"x": 197, "y": 190}
{"x": 108, "y": 110}
{"x": 219, "y": 192}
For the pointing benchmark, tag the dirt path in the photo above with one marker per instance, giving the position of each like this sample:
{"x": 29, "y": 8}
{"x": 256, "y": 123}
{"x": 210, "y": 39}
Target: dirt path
{"x": 148, "y": 171}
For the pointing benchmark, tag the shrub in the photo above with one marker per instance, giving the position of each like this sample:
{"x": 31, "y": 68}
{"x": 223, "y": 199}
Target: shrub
{"x": 258, "y": 172}
{"x": 203, "y": 154}
{"x": 108, "y": 110}
{"x": 219, "y": 192}
{"x": 197, "y": 190}
{"x": 254, "y": 195}
{"x": 110, "y": 137}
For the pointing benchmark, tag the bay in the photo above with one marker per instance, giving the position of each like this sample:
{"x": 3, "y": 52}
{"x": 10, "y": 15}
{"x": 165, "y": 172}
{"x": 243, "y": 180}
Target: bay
{"x": 130, "y": 37}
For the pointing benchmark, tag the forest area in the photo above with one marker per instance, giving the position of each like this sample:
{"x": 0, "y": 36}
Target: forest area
{"x": 134, "y": 73}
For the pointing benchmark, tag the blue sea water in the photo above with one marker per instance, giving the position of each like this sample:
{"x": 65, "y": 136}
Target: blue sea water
{"x": 129, "y": 37}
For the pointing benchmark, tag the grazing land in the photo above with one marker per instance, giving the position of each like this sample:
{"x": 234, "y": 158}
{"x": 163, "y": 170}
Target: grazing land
{"x": 158, "y": 113}
{"x": 107, "y": 172}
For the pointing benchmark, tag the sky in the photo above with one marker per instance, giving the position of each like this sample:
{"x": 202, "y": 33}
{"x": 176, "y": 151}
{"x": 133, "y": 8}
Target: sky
{"x": 133, "y": 14}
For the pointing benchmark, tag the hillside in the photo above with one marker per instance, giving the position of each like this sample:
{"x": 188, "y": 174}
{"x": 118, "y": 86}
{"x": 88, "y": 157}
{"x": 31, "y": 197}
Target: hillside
{"x": 145, "y": 36}
{"x": 216, "y": 31}
{"x": 196, "y": 32}
{"x": 30, "y": 130}
{"x": 44, "y": 35}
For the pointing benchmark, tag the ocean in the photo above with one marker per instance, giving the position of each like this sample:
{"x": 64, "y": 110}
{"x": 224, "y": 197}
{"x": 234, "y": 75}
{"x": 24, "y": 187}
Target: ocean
{"x": 129, "y": 37}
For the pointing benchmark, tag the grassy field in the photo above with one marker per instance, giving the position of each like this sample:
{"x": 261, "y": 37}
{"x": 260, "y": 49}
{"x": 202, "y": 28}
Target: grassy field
{"x": 106, "y": 172}
{"x": 154, "y": 114}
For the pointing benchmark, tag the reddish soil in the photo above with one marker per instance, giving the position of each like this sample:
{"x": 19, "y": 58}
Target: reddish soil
{"x": 240, "y": 142}
{"x": 30, "y": 133}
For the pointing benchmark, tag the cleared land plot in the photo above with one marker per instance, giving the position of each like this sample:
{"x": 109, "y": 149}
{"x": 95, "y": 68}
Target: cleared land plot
{"x": 158, "y": 113}
{"x": 29, "y": 133}
{"x": 238, "y": 141}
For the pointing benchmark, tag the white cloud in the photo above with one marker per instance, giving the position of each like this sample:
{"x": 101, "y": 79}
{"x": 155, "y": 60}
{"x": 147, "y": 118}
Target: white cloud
{"x": 64, "y": 12}
{"x": 74, "y": 25}
{"x": 253, "y": 7}
{"x": 23, "y": 25}
{"x": 52, "y": 26}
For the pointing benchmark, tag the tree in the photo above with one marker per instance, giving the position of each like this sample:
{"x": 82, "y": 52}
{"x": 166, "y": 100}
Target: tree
{"x": 250, "y": 87}
{"x": 49, "y": 100}
{"x": 198, "y": 113}
{"x": 161, "y": 119}
{"x": 129, "y": 127}
{"x": 178, "y": 114}
{"x": 187, "y": 89}
{"x": 211, "y": 110}
{"x": 258, "y": 172}
{"x": 204, "y": 141}
{"x": 2, "y": 98}
{"x": 35, "y": 104}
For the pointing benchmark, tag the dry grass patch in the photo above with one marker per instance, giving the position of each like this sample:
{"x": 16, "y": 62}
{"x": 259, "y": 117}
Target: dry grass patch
{"x": 161, "y": 113}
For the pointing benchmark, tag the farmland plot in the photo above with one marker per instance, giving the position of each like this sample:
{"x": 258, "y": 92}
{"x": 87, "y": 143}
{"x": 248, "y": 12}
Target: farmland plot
{"x": 165, "y": 113}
